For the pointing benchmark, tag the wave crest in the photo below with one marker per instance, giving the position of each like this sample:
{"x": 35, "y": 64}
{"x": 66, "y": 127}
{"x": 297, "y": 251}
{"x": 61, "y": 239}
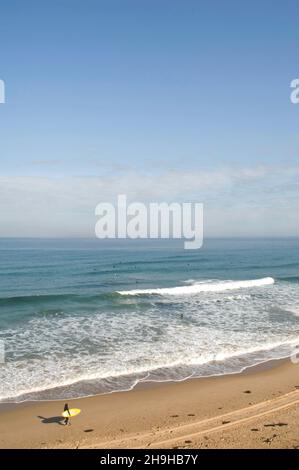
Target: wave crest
{"x": 202, "y": 287}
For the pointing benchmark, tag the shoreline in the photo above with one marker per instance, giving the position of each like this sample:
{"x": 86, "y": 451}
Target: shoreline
{"x": 217, "y": 412}
{"x": 148, "y": 384}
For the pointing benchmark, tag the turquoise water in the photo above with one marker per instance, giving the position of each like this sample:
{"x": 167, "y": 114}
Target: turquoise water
{"x": 80, "y": 317}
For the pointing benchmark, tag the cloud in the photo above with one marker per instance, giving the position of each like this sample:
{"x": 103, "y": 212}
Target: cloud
{"x": 238, "y": 201}
{"x": 45, "y": 162}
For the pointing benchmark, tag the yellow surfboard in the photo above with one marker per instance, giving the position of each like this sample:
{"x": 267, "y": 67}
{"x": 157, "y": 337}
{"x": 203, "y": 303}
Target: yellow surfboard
{"x": 73, "y": 412}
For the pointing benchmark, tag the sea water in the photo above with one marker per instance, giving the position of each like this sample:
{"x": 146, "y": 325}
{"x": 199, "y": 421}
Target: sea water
{"x": 83, "y": 317}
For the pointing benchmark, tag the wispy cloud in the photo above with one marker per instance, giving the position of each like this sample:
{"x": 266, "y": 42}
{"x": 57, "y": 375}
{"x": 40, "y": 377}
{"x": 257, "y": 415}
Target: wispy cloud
{"x": 45, "y": 162}
{"x": 238, "y": 201}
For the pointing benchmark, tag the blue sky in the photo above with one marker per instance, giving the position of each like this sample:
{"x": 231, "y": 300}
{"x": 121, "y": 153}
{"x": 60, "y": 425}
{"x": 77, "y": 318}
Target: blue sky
{"x": 142, "y": 96}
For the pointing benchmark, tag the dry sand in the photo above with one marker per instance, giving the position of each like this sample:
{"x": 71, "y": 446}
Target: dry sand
{"x": 256, "y": 409}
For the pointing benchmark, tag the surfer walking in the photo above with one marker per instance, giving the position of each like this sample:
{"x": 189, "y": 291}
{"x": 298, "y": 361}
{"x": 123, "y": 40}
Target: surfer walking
{"x": 67, "y": 418}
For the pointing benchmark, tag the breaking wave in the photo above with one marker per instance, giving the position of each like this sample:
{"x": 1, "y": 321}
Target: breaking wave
{"x": 198, "y": 287}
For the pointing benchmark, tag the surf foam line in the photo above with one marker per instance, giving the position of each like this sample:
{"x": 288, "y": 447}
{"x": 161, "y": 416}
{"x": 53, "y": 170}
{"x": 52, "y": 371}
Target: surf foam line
{"x": 146, "y": 374}
{"x": 204, "y": 287}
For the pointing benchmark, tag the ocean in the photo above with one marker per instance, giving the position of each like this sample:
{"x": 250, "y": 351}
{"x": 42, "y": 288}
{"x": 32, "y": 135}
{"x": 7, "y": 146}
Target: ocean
{"x": 84, "y": 317}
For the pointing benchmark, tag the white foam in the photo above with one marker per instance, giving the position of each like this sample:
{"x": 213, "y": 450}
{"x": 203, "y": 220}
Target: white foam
{"x": 203, "y": 287}
{"x": 294, "y": 311}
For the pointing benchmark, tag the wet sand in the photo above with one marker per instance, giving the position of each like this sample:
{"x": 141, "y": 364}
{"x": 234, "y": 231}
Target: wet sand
{"x": 256, "y": 409}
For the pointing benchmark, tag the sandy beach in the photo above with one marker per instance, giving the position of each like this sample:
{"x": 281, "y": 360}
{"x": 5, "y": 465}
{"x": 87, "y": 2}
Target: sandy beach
{"x": 256, "y": 409}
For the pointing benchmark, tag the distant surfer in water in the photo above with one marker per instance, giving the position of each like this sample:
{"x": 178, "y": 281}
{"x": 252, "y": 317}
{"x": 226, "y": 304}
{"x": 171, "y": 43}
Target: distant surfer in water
{"x": 67, "y": 419}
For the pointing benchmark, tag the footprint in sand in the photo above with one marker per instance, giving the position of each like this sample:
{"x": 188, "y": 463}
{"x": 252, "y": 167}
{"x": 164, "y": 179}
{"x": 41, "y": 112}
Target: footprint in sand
{"x": 270, "y": 439}
{"x": 247, "y": 391}
{"x": 225, "y": 422}
{"x": 88, "y": 430}
{"x": 254, "y": 429}
{"x": 191, "y": 414}
{"x": 174, "y": 416}
{"x": 188, "y": 442}
{"x": 272, "y": 425}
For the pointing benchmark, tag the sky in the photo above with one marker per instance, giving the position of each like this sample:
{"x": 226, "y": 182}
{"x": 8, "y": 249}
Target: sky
{"x": 162, "y": 100}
